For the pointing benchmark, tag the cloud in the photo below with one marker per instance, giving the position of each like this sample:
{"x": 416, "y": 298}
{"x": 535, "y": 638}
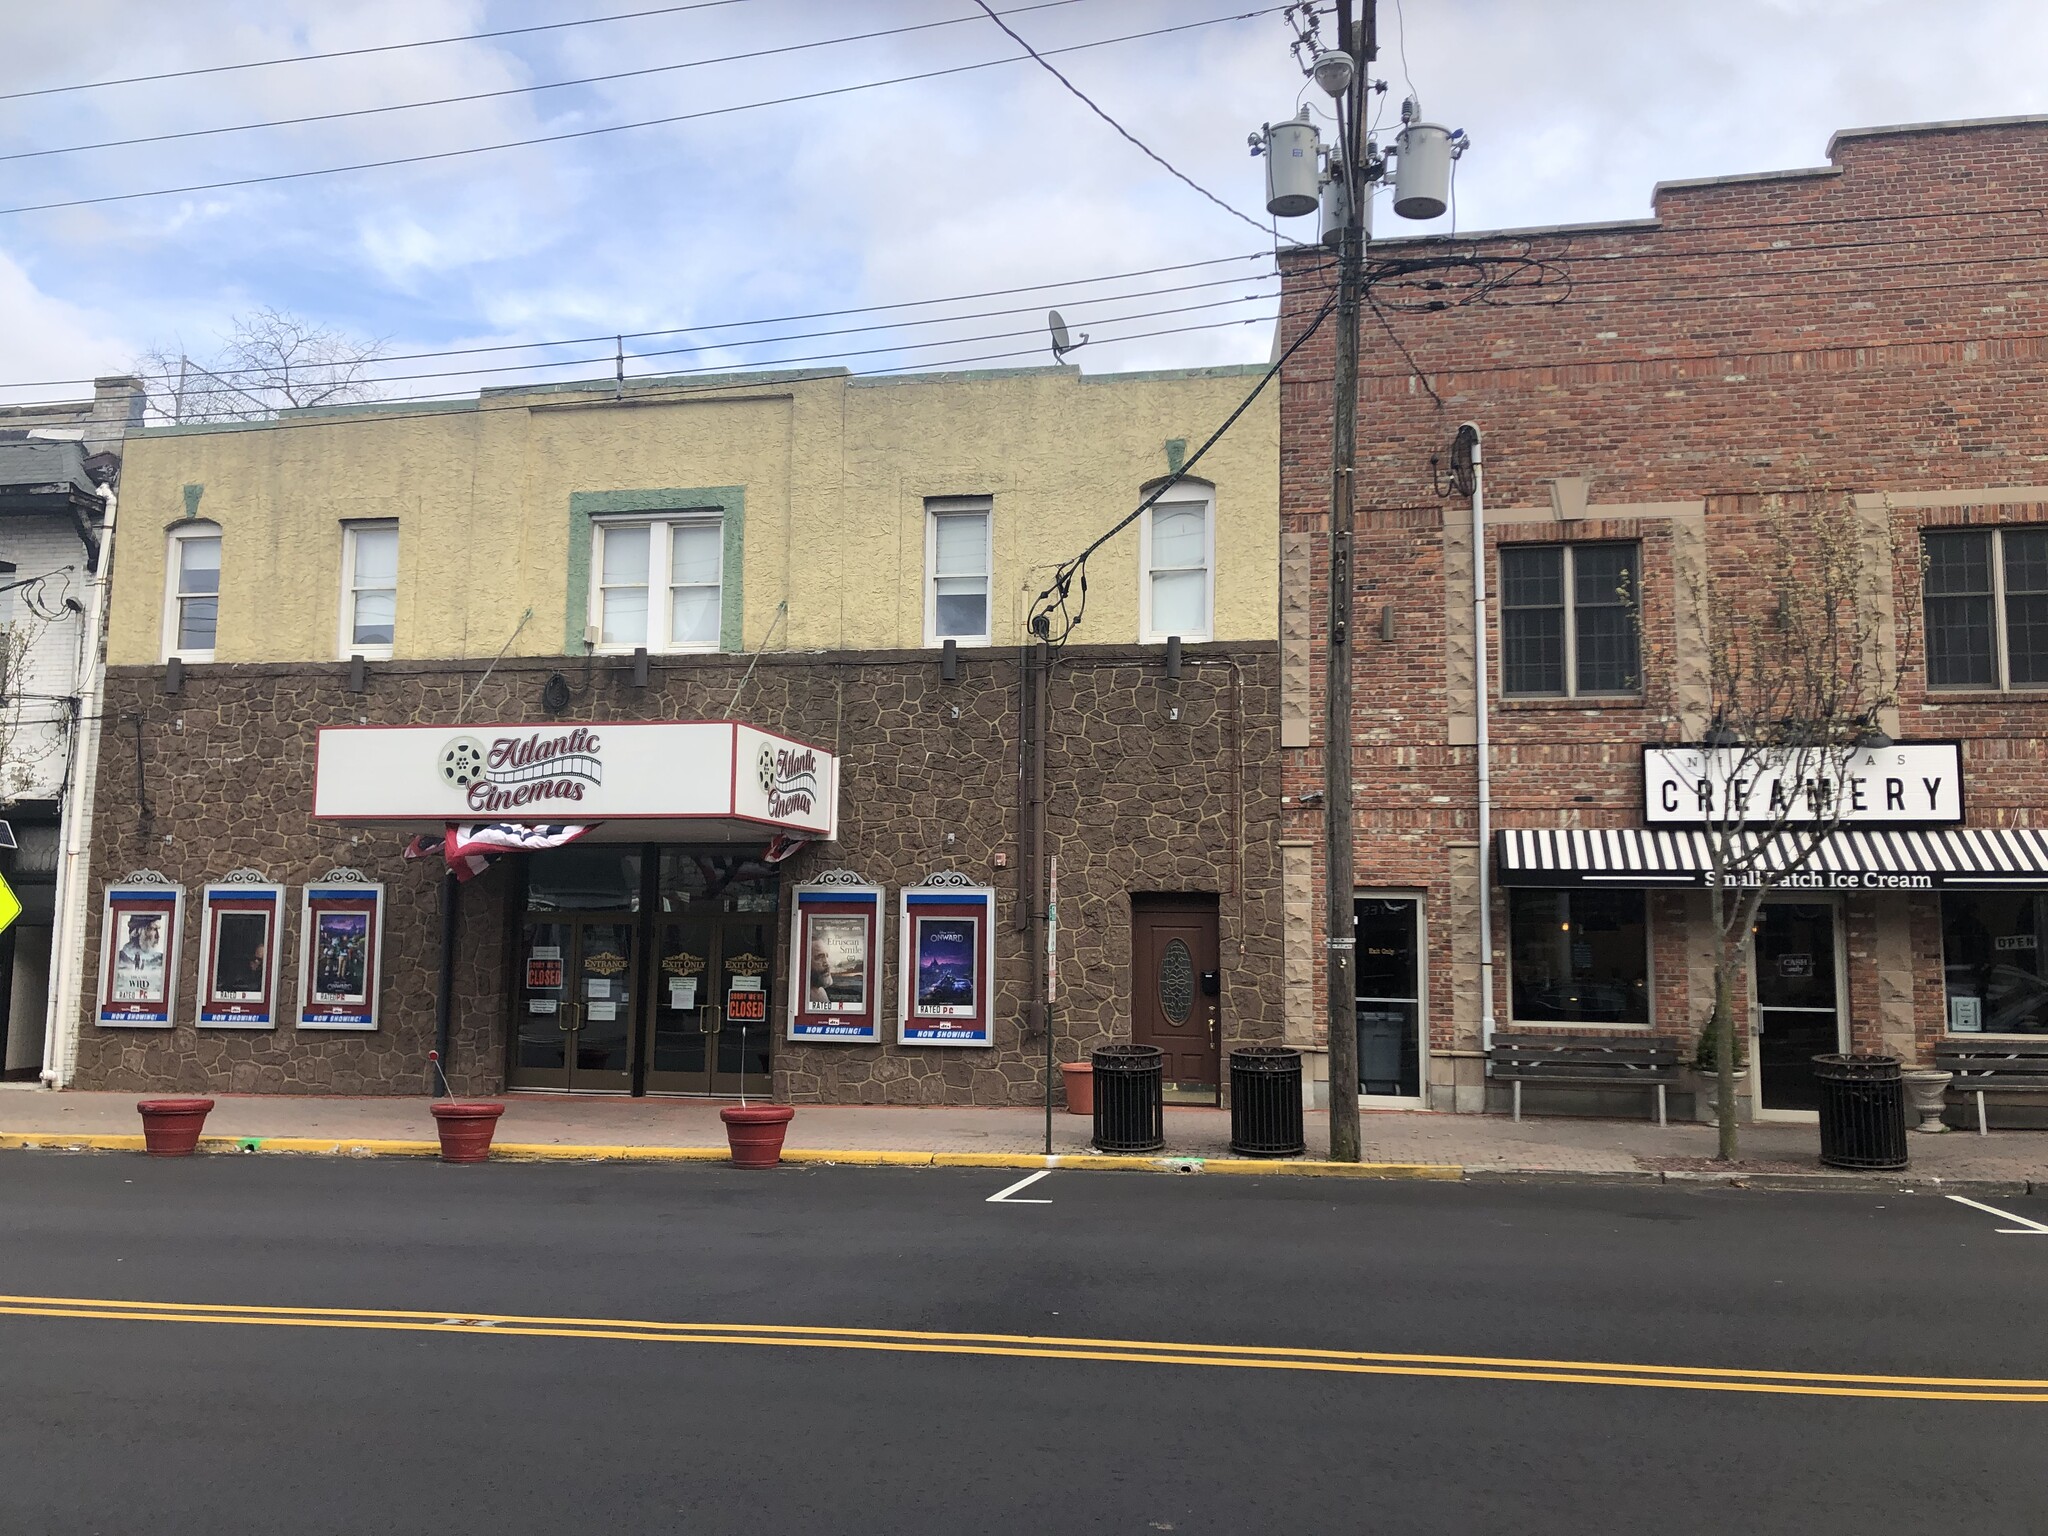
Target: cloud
{"x": 49, "y": 339}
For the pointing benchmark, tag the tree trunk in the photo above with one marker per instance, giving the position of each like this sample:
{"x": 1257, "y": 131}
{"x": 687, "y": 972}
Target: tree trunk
{"x": 1724, "y": 1058}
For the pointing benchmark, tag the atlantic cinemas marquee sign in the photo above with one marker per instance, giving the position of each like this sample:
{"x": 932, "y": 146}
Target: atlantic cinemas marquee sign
{"x": 1917, "y": 784}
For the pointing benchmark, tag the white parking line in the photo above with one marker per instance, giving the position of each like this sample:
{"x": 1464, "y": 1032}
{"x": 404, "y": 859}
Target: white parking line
{"x": 2025, "y": 1228}
{"x": 1003, "y": 1196}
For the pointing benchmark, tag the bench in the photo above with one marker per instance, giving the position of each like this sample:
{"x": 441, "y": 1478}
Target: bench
{"x": 1994, "y": 1066}
{"x": 1644, "y": 1061}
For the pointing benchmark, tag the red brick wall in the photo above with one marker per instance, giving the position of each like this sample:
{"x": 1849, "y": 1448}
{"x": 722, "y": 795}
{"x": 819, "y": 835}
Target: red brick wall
{"x": 1875, "y": 327}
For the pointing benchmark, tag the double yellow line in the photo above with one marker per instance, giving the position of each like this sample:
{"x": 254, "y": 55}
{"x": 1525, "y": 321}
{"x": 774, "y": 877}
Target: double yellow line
{"x": 1052, "y": 1347}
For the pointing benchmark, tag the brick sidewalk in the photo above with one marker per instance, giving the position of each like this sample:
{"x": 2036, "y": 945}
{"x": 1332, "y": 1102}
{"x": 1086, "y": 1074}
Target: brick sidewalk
{"x": 1478, "y": 1143}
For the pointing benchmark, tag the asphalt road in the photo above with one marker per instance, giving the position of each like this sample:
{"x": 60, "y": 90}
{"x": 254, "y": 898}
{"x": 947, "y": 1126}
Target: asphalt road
{"x": 439, "y": 1414}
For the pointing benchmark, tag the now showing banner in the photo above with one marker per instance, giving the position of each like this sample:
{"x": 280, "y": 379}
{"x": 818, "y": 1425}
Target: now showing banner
{"x": 1905, "y": 784}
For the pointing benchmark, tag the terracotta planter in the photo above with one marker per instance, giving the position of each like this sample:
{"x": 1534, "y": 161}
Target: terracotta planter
{"x": 465, "y": 1129}
{"x": 170, "y": 1127}
{"x": 1080, "y": 1076}
{"x": 755, "y": 1132}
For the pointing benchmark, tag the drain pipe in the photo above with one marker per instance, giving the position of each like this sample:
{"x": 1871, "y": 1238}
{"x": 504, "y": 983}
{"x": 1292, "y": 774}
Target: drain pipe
{"x": 1469, "y": 434}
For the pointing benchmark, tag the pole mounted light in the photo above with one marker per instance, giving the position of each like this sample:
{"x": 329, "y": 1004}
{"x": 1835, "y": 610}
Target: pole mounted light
{"x": 1333, "y": 70}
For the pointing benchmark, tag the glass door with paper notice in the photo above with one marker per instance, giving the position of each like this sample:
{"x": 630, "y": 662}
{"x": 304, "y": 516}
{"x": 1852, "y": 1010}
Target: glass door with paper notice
{"x": 574, "y": 1003}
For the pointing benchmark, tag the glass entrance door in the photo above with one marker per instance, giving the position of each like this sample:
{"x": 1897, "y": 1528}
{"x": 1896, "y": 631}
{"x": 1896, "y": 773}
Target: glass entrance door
{"x": 574, "y": 1028}
{"x": 1798, "y": 1003}
{"x": 712, "y": 974}
{"x": 1388, "y": 956}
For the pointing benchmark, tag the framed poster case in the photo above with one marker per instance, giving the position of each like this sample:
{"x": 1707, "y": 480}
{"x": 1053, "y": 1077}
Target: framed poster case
{"x": 946, "y": 941}
{"x": 241, "y": 932}
{"x": 341, "y": 951}
{"x": 835, "y": 950}
{"x": 140, "y": 927}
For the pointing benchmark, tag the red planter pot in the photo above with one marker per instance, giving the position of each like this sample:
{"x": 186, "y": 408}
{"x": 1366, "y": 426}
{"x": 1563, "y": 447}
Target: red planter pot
{"x": 466, "y": 1130}
{"x": 1080, "y": 1076}
{"x": 170, "y": 1127}
{"x": 755, "y": 1132}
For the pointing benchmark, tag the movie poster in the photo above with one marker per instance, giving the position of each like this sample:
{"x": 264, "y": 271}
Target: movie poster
{"x": 139, "y": 976}
{"x": 340, "y": 939}
{"x": 948, "y": 949}
{"x": 834, "y": 949}
{"x": 238, "y": 957}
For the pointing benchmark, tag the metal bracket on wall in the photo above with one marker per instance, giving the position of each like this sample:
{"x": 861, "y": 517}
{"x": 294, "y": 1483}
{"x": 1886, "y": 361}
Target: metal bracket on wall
{"x": 174, "y": 675}
{"x": 358, "y": 674}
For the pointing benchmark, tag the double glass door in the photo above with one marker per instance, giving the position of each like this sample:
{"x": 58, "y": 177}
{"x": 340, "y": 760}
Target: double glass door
{"x": 575, "y": 1021}
{"x": 713, "y": 994}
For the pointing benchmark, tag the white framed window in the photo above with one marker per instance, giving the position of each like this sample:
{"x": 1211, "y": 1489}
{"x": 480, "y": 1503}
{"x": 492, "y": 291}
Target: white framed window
{"x": 658, "y": 582}
{"x": 192, "y": 592}
{"x": 959, "y": 551}
{"x": 1177, "y": 579}
{"x": 369, "y": 588}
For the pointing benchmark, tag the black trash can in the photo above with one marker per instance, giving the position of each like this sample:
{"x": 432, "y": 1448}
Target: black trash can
{"x": 1130, "y": 1114}
{"x": 1265, "y": 1101}
{"x": 1862, "y": 1111}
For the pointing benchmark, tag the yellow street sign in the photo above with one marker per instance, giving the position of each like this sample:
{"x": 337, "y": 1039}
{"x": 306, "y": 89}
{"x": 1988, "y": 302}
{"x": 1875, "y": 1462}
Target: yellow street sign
{"x": 10, "y": 905}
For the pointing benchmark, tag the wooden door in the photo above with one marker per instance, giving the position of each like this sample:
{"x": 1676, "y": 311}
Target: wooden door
{"x": 1176, "y": 990}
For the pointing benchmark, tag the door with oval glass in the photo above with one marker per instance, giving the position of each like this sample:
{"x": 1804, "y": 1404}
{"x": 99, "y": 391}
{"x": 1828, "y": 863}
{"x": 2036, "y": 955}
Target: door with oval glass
{"x": 1176, "y": 991}
{"x": 575, "y": 1023}
{"x": 711, "y": 971}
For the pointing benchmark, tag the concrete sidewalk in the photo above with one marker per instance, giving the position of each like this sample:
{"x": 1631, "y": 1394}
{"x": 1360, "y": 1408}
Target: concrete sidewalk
{"x": 1484, "y": 1145}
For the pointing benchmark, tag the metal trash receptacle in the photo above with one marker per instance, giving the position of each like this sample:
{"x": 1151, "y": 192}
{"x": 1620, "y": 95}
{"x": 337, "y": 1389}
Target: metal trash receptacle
{"x": 1862, "y": 1111}
{"x": 1265, "y": 1101}
{"x": 1130, "y": 1113}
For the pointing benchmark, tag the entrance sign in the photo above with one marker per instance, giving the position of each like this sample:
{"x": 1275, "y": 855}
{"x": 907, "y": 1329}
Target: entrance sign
{"x": 139, "y": 931}
{"x": 341, "y": 951}
{"x": 687, "y": 772}
{"x": 835, "y": 946}
{"x": 240, "y": 936}
{"x": 1903, "y": 785}
{"x": 947, "y": 942}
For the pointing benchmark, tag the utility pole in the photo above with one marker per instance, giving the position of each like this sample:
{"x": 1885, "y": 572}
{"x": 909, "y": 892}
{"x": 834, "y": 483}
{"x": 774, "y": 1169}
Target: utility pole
{"x": 1359, "y": 41}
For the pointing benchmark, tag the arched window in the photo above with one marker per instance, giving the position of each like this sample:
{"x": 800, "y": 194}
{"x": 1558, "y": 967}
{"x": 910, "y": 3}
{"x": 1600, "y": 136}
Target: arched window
{"x": 1177, "y": 564}
{"x": 192, "y": 591}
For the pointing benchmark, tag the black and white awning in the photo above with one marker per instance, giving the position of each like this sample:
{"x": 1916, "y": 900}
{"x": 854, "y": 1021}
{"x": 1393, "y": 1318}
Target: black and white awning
{"x": 1991, "y": 858}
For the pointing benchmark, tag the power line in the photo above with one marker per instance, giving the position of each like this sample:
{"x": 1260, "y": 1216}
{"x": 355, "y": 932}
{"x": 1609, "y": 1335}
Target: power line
{"x": 516, "y": 90}
{"x": 1150, "y": 153}
{"x": 352, "y": 53}
{"x": 599, "y": 389}
{"x": 610, "y": 128}
{"x": 817, "y": 314}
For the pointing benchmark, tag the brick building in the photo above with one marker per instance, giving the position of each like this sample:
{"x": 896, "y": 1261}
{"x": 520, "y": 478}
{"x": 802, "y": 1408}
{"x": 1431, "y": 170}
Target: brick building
{"x": 1869, "y": 336}
{"x": 765, "y": 636}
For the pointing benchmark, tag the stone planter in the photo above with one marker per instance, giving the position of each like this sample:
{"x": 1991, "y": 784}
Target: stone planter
{"x": 1928, "y": 1089}
{"x": 1706, "y": 1095}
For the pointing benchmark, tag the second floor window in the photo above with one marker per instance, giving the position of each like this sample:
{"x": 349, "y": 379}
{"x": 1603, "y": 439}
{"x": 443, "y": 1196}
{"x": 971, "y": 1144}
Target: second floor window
{"x": 957, "y": 557}
{"x": 194, "y": 609}
{"x": 369, "y": 599}
{"x": 1987, "y": 608}
{"x": 1568, "y": 620}
{"x": 1177, "y": 571}
{"x": 660, "y": 584}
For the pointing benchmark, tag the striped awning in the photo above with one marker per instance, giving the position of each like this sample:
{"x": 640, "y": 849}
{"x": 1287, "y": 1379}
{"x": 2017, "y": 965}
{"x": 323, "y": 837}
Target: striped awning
{"x": 1986, "y": 859}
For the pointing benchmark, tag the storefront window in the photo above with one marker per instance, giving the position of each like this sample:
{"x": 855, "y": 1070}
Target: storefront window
{"x": 696, "y": 880}
{"x": 1579, "y": 957}
{"x": 591, "y": 878}
{"x": 1992, "y": 943}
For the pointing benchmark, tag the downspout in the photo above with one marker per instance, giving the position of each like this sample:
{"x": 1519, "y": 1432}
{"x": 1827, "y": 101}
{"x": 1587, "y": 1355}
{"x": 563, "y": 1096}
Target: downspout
{"x": 65, "y": 997}
{"x": 1481, "y": 739}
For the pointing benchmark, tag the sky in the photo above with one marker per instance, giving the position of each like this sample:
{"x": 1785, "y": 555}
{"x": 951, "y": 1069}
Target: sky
{"x": 717, "y": 227}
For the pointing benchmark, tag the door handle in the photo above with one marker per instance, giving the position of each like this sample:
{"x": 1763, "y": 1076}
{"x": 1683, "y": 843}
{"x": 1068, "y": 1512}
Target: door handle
{"x": 566, "y": 1019}
{"x": 708, "y": 1021}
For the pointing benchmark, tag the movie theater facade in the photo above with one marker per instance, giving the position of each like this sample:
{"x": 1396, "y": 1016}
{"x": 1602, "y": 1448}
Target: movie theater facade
{"x": 684, "y": 749}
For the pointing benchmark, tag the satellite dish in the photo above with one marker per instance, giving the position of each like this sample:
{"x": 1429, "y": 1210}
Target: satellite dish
{"x": 1062, "y": 342}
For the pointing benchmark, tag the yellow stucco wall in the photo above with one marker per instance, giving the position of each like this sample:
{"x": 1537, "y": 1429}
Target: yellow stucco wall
{"x": 828, "y": 475}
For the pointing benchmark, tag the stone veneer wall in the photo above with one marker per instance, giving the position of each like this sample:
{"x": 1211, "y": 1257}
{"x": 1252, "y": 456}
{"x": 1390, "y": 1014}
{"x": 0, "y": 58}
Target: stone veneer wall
{"x": 1141, "y": 802}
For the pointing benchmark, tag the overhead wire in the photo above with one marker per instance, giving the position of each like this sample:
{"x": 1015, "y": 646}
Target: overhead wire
{"x": 520, "y": 90}
{"x": 570, "y": 135}
{"x": 1129, "y": 137}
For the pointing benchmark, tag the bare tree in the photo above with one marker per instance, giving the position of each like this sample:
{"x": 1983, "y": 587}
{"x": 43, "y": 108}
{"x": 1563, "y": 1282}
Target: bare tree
{"x": 270, "y": 361}
{"x": 1799, "y": 665}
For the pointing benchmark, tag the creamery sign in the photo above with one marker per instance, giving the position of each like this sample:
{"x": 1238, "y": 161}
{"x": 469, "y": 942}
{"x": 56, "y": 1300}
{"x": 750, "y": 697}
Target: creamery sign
{"x": 713, "y": 776}
{"x": 1905, "y": 784}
